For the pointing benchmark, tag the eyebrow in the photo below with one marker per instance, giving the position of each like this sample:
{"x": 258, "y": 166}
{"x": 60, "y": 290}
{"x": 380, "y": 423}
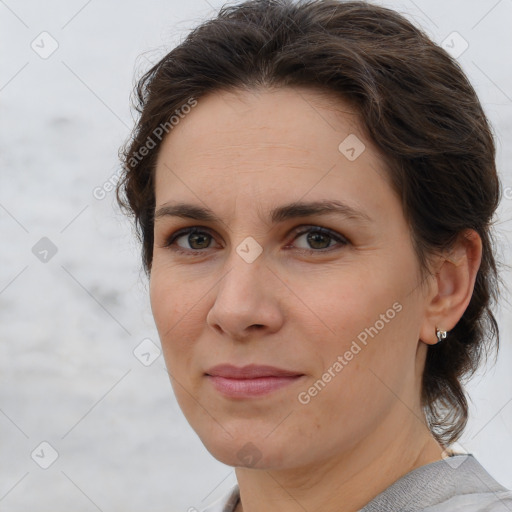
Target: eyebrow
{"x": 279, "y": 214}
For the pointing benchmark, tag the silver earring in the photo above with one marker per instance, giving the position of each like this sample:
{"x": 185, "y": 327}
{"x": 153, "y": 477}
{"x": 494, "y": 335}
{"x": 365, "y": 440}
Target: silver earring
{"x": 441, "y": 335}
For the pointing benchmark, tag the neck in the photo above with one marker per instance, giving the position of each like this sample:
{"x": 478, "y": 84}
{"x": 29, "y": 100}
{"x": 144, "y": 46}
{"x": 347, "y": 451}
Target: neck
{"x": 341, "y": 483}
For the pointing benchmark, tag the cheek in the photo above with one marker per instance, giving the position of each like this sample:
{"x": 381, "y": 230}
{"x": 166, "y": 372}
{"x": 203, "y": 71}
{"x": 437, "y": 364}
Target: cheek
{"x": 176, "y": 312}
{"x": 173, "y": 292}
{"x": 349, "y": 299}
{"x": 369, "y": 317}
{"x": 176, "y": 308}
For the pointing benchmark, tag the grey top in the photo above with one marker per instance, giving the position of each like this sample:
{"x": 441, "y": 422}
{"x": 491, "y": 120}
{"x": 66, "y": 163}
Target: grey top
{"x": 457, "y": 483}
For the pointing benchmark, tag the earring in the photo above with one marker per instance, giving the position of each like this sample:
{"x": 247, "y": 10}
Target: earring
{"x": 441, "y": 335}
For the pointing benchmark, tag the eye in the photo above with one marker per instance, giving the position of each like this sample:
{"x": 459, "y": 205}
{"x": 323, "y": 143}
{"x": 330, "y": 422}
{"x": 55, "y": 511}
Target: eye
{"x": 319, "y": 239}
{"x": 197, "y": 239}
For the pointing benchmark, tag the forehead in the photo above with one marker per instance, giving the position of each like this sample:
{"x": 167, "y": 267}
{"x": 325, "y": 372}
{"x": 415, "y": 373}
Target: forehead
{"x": 269, "y": 143}
{"x": 286, "y": 116}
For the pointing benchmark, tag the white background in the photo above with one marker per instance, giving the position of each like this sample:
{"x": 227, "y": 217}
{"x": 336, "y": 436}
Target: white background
{"x": 68, "y": 327}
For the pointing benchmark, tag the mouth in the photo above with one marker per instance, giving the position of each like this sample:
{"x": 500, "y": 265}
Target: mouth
{"x": 250, "y": 381}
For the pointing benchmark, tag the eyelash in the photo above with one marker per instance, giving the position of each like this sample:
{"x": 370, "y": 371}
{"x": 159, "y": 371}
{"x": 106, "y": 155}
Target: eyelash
{"x": 197, "y": 229}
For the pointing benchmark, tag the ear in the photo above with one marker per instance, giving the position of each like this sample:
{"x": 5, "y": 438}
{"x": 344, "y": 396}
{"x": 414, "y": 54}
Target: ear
{"x": 453, "y": 285}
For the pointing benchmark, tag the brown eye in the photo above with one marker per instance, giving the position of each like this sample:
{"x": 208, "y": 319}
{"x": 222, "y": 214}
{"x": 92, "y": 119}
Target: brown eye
{"x": 193, "y": 240}
{"x": 201, "y": 239}
{"x": 319, "y": 239}
{"x": 196, "y": 240}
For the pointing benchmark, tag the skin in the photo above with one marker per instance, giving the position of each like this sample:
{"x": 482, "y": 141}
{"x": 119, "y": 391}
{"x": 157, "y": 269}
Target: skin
{"x": 241, "y": 154}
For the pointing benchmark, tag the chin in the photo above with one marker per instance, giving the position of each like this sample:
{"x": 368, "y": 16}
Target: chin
{"x": 241, "y": 451}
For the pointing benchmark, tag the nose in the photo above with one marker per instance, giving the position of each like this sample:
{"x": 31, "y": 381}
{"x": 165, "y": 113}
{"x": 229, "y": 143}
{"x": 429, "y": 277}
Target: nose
{"x": 247, "y": 300}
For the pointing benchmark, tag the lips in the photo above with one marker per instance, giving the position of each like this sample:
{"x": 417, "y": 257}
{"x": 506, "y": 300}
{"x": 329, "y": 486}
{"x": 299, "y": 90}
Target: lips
{"x": 249, "y": 381}
{"x": 251, "y": 371}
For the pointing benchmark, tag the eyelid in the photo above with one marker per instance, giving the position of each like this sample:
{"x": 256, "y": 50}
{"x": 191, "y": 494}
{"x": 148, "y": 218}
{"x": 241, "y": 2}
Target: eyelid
{"x": 296, "y": 232}
{"x": 169, "y": 240}
{"x": 305, "y": 228}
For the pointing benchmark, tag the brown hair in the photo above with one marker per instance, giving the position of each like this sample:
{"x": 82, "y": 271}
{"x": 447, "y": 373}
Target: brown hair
{"x": 416, "y": 105}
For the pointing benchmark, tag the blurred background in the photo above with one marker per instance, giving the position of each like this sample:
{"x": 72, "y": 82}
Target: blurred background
{"x": 88, "y": 419}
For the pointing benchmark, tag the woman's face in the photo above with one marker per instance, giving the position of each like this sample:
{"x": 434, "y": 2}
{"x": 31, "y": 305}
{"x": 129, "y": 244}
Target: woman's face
{"x": 331, "y": 295}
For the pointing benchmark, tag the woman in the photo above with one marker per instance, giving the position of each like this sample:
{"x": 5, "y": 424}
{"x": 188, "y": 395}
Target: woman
{"x": 313, "y": 185}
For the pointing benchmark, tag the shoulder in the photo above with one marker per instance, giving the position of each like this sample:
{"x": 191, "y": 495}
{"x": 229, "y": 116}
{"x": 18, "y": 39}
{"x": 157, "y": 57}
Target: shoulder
{"x": 497, "y": 501}
{"x": 458, "y": 483}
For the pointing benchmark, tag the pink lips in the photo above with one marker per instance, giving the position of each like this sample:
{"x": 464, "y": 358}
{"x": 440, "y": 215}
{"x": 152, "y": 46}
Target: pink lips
{"x": 251, "y": 380}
